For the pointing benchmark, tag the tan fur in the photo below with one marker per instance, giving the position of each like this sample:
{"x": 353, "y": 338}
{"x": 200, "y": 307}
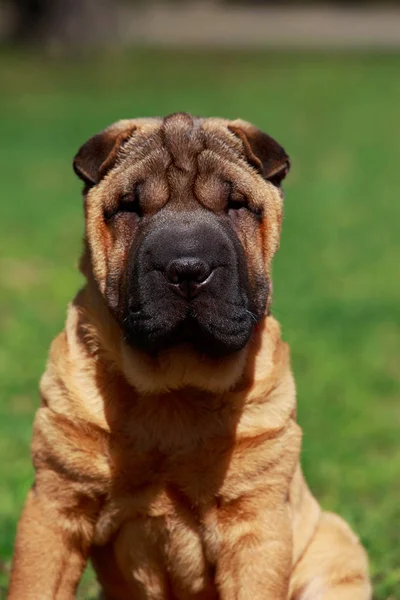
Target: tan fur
{"x": 178, "y": 475}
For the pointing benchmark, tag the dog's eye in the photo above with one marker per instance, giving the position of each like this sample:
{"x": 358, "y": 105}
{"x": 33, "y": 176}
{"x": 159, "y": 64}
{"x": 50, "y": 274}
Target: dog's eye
{"x": 128, "y": 202}
{"x": 237, "y": 201}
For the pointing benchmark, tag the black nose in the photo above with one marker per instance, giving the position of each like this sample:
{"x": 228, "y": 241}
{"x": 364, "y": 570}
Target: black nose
{"x": 188, "y": 275}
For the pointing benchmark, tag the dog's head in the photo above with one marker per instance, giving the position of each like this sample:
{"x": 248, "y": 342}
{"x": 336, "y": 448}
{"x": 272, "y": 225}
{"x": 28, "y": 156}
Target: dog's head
{"x": 183, "y": 218}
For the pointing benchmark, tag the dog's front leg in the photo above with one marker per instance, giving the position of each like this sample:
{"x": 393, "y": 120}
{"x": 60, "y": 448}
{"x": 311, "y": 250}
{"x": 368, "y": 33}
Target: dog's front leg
{"x": 53, "y": 540}
{"x": 255, "y": 555}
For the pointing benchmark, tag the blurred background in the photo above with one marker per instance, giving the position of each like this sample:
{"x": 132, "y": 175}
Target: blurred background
{"x": 324, "y": 79}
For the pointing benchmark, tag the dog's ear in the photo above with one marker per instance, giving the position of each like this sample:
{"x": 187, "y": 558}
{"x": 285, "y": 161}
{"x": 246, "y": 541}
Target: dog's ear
{"x": 262, "y": 151}
{"x": 99, "y": 153}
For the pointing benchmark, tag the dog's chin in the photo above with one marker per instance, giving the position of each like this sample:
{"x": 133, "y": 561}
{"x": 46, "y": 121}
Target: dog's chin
{"x": 180, "y": 367}
{"x": 186, "y": 355}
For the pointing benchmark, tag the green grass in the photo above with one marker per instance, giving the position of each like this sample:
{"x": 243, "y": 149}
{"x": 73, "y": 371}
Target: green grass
{"x": 336, "y": 277}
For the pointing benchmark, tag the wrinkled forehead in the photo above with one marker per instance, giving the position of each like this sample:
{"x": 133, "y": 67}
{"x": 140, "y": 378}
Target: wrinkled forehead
{"x": 183, "y": 141}
{"x": 184, "y": 136}
{"x": 180, "y": 159}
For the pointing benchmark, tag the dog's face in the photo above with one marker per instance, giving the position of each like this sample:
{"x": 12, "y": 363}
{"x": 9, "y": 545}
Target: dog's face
{"x": 182, "y": 220}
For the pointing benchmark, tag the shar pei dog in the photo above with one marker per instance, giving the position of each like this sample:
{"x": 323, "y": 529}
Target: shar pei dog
{"x": 166, "y": 448}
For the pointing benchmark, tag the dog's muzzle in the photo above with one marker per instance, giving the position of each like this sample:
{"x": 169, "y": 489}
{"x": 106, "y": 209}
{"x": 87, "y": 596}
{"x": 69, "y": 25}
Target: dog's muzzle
{"x": 187, "y": 282}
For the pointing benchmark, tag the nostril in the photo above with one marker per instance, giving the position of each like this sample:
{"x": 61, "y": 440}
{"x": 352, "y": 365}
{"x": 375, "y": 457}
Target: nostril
{"x": 200, "y": 275}
{"x": 188, "y": 269}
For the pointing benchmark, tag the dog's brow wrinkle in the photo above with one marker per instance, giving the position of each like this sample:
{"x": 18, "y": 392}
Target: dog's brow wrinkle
{"x": 140, "y": 144}
{"x": 183, "y": 139}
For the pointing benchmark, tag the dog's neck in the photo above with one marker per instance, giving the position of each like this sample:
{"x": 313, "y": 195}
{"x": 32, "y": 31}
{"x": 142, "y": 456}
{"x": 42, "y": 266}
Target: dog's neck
{"x": 257, "y": 382}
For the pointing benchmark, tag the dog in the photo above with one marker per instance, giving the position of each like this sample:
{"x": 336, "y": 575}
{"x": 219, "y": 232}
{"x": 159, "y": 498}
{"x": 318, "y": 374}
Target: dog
{"x": 166, "y": 448}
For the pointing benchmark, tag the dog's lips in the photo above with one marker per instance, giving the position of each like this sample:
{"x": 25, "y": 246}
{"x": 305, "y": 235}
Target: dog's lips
{"x": 150, "y": 333}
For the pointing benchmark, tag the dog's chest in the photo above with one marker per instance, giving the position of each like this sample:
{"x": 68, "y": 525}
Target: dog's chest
{"x": 161, "y": 522}
{"x": 163, "y": 544}
{"x": 177, "y": 449}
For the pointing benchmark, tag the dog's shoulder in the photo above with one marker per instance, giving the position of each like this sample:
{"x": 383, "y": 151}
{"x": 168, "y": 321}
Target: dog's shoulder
{"x": 71, "y": 434}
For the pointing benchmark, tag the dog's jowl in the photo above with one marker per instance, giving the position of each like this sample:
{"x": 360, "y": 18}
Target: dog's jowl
{"x": 166, "y": 448}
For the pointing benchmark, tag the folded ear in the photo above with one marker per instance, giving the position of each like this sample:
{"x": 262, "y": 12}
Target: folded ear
{"x": 262, "y": 151}
{"x": 99, "y": 153}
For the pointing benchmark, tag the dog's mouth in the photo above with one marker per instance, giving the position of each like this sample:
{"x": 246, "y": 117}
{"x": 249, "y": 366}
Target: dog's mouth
{"x": 212, "y": 335}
